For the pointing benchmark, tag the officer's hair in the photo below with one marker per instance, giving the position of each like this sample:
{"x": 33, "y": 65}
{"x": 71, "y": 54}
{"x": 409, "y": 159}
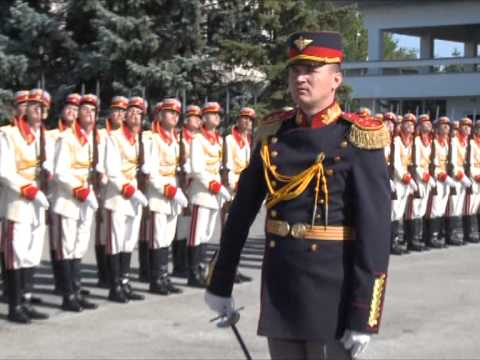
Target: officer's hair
{"x": 335, "y": 68}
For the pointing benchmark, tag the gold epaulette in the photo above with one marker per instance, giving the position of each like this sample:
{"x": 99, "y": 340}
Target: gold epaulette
{"x": 271, "y": 123}
{"x": 367, "y": 132}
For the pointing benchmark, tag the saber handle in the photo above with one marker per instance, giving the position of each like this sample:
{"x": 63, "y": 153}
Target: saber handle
{"x": 222, "y": 316}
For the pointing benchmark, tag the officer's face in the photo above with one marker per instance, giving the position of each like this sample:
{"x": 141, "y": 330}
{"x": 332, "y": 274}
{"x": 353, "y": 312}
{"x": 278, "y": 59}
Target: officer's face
{"x": 21, "y": 109}
{"x": 70, "y": 113}
{"x": 194, "y": 123}
{"x": 243, "y": 123}
{"x": 426, "y": 127}
{"x": 86, "y": 116}
{"x": 212, "y": 120}
{"x": 117, "y": 117}
{"x": 465, "y": 130}
{"x": 134, "y": 118}
{"x": 169, "y": 119}
{"x": 311, "y": 86}
{"x": 34, "y": 115}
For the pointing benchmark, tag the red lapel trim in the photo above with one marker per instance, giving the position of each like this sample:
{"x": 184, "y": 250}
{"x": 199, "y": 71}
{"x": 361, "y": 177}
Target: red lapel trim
{"x": 25, "y": 130}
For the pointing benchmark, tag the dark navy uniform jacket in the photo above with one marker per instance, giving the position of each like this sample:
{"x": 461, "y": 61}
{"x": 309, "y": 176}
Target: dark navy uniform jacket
{"x": 315, "y": 289}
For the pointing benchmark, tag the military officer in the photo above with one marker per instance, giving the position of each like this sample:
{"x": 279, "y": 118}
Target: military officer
{"x": 124, "y": 199}
{"x": 75, "y": 203}
{"x": 471, "y": 222}
{"x": 118, "y": 107}
{"x": 207, "y": 191}
{"x": 166, "y": 198}
{"x": 325, "y": 180}
{"x": 404, "y": 181}
{"x": 191, "y": 126}
{"x": 23, "y": 152}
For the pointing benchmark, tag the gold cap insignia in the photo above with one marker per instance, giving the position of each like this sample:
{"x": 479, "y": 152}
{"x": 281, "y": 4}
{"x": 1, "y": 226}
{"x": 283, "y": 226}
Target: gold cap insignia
{"x": 301, "y": 43}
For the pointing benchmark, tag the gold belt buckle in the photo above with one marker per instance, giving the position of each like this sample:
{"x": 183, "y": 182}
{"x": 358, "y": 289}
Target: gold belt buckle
{"x": 298, "y": 231}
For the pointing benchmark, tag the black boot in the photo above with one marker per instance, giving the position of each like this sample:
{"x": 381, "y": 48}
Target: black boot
{"x": 415, "y": 235}
{"x": 56, "y": 272}
{"x": 157, "y": 283}
{"x": 195, "y": 276}
{"x": 16, "y": 312}
{"x": 396, "y": 248}
{"x": 144, "y": 262}
{"x": 101, "y": 266}
{"x": 125, "y": 259}
{"x": 432, "y": 237}
{"x": 172, "y": 289}
{"x": 28, "y": 275}
{"x": 470, "y": 229}
{"x": 70, "y": 302}
{"x": 454, "y": 235}
{"x": 442, "y": 236}
{"x": 116, "y": 293}
{"x": 402, "y": 236}
{"x": 4, "y": 276}
{"x": 179, "y": 258}
{"x": 77, "y": 285}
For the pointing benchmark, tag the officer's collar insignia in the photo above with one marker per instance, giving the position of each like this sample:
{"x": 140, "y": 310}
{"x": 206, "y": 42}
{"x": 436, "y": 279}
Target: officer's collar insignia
{"x": 301, "y": 43}
{"x": 323, "y": 118}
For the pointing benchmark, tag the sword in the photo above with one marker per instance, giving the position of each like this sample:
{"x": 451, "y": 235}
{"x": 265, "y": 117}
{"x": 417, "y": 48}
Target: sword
{"x": 231, "y": 320}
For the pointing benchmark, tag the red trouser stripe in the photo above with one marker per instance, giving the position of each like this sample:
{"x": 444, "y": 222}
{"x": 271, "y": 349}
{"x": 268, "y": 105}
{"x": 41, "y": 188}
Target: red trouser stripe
{"x": 193, "y": 226}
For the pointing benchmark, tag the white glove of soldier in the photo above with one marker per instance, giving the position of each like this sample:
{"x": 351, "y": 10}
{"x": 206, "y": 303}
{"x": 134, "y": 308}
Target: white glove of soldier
{"x": 41, "y": 200}
{"x": 466, "y": 182}
{"x": 180, "y": 198}
{"x": 413, "y": 186}
{"x": 450, "y": 182}
{"x": 223, "y": 306}
{"x": 140, "y": 198}
{"x": 355, "y": 342}
{"x": 225, "y": 194}
{"x": 91, "y": 201}
{"x": 432, "y": 182}
{"x": 392, "y": 186}
{"x": 146, "y": 169}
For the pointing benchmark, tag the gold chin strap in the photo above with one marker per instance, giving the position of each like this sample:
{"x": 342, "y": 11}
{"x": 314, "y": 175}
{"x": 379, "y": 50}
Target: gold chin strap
{"x": 295, "y": 185}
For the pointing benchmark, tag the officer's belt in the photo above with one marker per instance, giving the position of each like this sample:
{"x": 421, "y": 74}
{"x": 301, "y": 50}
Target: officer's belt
{"x": 305, "y": 231}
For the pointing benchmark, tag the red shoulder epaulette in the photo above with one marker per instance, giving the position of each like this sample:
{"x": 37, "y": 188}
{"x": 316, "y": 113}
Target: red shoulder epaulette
{"x": 278, "y": 116}
{"x": 363, "y": 122}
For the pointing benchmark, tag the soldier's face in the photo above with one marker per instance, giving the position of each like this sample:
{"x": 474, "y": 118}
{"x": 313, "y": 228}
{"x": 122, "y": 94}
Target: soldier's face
{"x": 212, "y": 120}
{"x": 86, "y": 116}
{"x": 34, "y": 115}
{"x": 443, "y": 129}
{"x": 117, "y": 117}
{"x": 390, "y": 126}
{"x": 70, "y": 113}
{"x": 169, "y": 119}
{"x": 465, "y": 130}
{"x": 310, "y": 86}
{"x": 408, "y": 127}
{"x": 134, "y": 119}
{"x": 426, "y": 126}
{"x": 194, "y": 123}
{"x": 21, "y": 109}
{"x": 476, "y": 130}
{"x": 243, "y": 123}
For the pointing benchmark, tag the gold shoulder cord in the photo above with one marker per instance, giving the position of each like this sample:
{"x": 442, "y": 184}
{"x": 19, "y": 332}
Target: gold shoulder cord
{"x": 295, "y": 185}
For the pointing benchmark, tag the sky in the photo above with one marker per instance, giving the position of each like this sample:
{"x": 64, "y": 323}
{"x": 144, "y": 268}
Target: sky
{"x": 442, "y": 48}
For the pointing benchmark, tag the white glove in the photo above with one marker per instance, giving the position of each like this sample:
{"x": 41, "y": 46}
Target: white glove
{"x": 41, "y": 200}
{"x": 450, "y": 182}
{"x": 91, "y": 201}
{"x": 225, "y": 194}
{"x": 432, "y": 182}
{"x": 413, "y": 186}
{"x": 219, "y": 304}
{"x": 180, "y": 198}
{"x": 392, "y": 186}
{"x": 146, "y": 169}
{"x": 140, "y": 198}
{"x": 466, "y": 182}
{"x": 355, "y": 342}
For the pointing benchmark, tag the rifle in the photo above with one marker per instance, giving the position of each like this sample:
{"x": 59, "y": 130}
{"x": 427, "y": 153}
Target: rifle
{"x": 140, "y": 161}
{"x": 42, "y": 156}
{"x": 433, "y": 154}
{"x": 412, "y": 167}
{"x": 391, "y": 168}
{"x": 467, "y": 163}
{"x": 453, "y": 190}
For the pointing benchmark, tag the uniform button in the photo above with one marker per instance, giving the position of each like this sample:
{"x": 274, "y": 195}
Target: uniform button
{"x": 329, "y": 172}
{"x": 337, "y": 158}
{"x": 272, "y": 243}
{"x": 343, "y": 144}
{"x": 274, "y": 140}
{"x": 273, "y": 213}
{"x": 274, "y": 153}
{"x": 318, "y": 216}
{"x": 274, "y": 183}
{"x": 313, "y": 247}
{"x": 321, "y": 201}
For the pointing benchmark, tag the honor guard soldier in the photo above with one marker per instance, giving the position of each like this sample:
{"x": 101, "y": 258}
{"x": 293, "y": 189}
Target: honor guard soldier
{"x": 471, "y": 221}
{"x": 404, "y": 181}
{"x": 436, "y": 215}
{"x": 75, "y": 203}
{"x": 23, "y": 152}
{"x": 191, "y": 126}
{"x": 124, "y": 199}
{"x": 118, "y": 108}
{"x": 67, "y": 120}
{"x": 207, "y": 191}
{"x": 21, "y": 101}
{"x": 47, "y": 104}
{"x": 458, "y": 163}
{"x": 166, "y": 198}
{"x": 417, "y": 206}
{"x": 325, "y": 180}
